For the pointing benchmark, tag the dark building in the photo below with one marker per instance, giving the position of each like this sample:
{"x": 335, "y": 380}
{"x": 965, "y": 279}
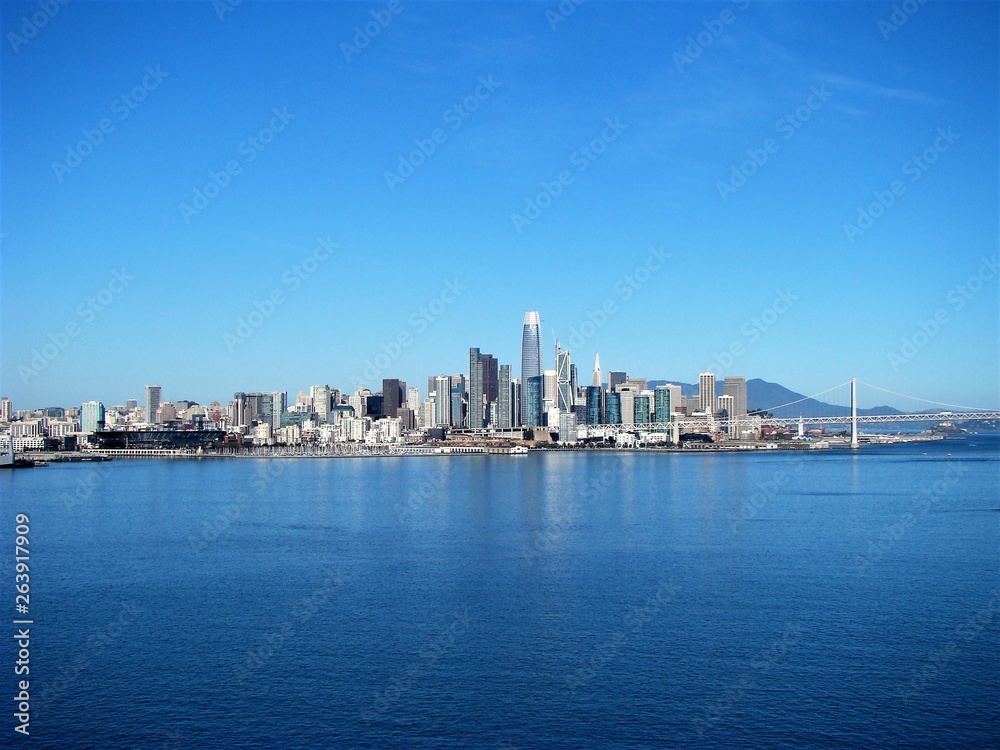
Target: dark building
{"x": 615, "y": 379}
{"x": 594, "y": 410}
{"x": 491, "y": 379}
{"x": 393, "y": 396}
{"x": 613, "y": 408}
{"x": 373, "y": 405}
{"x": 157, "y": 438}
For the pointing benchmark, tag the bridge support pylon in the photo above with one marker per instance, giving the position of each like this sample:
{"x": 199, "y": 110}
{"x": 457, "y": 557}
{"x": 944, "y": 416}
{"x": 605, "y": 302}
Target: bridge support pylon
{"x": 854, "y": 412}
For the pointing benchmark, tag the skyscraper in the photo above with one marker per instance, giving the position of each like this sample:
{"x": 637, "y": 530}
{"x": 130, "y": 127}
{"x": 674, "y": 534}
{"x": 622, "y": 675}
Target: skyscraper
{"x": 393, "y": 395}
{"x": 595, "y": 409}
{"x": 706, "y": 392}
{"x": 491, "y": 379}
{"x": 564, "y": 383}
{"x": 442, "y": 401}
{"x": 662, "y": 404}
{"x": 531, "y": 367}
{"x": 597, "y": 372}
{"x": 152, "y": 403}
{"x": 475, "y": 389}
{"x": 736, "y": 386}
{"x": 321, "y": 401}
{"x": 503, "y": 398}
{"x": 549, "y": 387}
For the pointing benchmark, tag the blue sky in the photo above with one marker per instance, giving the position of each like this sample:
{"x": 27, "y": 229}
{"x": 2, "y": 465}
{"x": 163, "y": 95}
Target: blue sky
{"x": 763, "y": 269}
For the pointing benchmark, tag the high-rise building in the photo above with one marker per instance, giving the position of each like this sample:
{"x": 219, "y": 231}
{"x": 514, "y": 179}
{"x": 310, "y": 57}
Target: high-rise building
{"x": 152, "y": 403}
{"x": 91, "y": 416}
{"x": 457, "y": 392}
{"x": 491, "y": 379}
{"x": 531, "y": 367}
{"x": 131, "y": 403}
{"x": 567, "y": 427}
{"x": 707, "y": 401}
{"x": 393, "y": 395}
{"x": 413, "y": 399}
{"x": 643, "y": 407}
{"x": 597, "y": 372}
{"x": 442, "y": 401}
{"x": 549, "y": 388}
{"x": 6, "y": 409}
{"x": 564, "y": 385}
{"x": 279, "y": 403}
{"x": 662, "y": 404}
{"x": 612, "y": 408}
{"x": 515, "y": 403}
{"x": 594, "y": 404}
{"x": 626, "y": 395}
{"x": 615, "y": 379}
{"x": 503, "y": 398}
{"x": 475, "y": 389}
{"x": 321, "y": 401}
{"x": 736, "y": 386}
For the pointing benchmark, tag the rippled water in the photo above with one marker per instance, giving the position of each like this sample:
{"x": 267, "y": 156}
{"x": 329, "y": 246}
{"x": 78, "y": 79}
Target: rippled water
{"x": 564, "y": 600}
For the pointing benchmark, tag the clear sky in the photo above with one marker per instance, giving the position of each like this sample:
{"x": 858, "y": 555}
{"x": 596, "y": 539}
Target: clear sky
{"x": 513, "y": 103}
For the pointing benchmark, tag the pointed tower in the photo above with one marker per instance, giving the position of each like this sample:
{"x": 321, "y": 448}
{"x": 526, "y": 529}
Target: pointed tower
{"x": 597, "y": 371}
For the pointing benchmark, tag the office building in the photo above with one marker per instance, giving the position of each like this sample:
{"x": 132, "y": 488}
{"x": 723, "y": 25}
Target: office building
{"x": 597, "y": 371}
{"x": 567, "y": 427}
{"x": 393, "y": 396}
{"x": 564, "y": 384}
{"x": 612, "y": 408}
{"x": 475, "y": 389}
{"x": 413, "y": 399}
{"x": 549, "y": 388}
{"x": 531, "y": 369}
{"x": 6, "y": 409}
{"x": 594, "y": 403}
{"x": 515, "y": 403}
{"x": 707, "y": 400}
{"x": 626, "y": 396}
{"x": 320, "y": 395}
{"x": 152, "y": 403}
{"x": 458, "y": 419}
{"x": 736, "y": 386}
{"x": 491, "y": 379}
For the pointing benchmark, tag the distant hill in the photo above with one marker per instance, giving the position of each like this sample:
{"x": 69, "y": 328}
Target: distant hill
{"x": 763, "y": 395}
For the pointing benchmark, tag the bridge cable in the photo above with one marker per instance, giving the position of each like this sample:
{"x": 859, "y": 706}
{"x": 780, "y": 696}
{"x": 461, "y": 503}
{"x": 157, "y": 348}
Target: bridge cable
{"x": 806, "y": 398}
{"x": 928, "y": 401}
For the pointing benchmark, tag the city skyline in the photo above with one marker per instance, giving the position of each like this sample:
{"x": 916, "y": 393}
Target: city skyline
{"x": 639, "y": 242}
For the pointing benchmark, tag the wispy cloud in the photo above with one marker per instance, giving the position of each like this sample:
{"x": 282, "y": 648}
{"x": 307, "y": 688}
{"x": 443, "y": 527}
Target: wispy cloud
{"x": 874, "y": 89}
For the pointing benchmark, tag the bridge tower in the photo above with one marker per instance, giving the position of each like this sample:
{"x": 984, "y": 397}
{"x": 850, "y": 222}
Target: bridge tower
{"x": 854, "y": 412}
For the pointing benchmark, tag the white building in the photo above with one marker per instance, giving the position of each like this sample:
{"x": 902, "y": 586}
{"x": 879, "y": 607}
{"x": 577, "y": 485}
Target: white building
{"x": 707, "y": 401}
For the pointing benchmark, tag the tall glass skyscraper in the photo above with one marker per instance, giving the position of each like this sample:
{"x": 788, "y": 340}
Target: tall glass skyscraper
{"x": 531, "y": 367}
{"x": 594, "y": 405}
{"x": 152, "y": 403}
{"x": 662, "y": 407}
{"x": 563, "y": 380}
{"x": 475, "y": 389}
{"x": 503, "y": 398}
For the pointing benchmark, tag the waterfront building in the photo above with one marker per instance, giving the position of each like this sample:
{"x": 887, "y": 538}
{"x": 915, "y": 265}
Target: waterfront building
{"x": 662, "y": 404}
{"x": 567, "y": 427}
